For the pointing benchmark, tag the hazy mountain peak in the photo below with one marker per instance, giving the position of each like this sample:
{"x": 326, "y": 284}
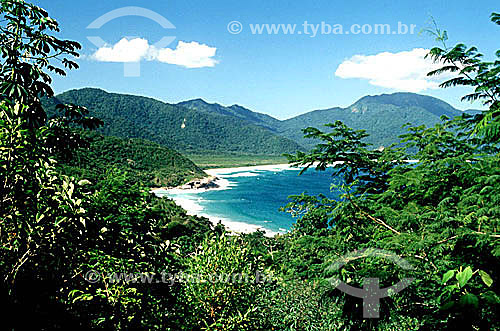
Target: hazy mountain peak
{"x": 88, "y": 90}
{"x": 238, "y": 107}
{"x": 407, "y": 100}
{"x": 187, "y": 125}
{"x": 198, "y": 101}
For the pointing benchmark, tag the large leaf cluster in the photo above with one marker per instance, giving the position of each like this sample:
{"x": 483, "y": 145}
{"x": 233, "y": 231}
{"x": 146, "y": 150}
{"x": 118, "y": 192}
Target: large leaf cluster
{"x": 432, "y": 200}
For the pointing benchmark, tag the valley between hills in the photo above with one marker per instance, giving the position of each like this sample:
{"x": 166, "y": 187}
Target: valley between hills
{"x": 181, "y": 139}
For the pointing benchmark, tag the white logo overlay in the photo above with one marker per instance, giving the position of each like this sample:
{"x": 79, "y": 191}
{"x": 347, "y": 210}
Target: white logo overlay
{"x": 131, "y": 69}
{"x": 371, "y": 293}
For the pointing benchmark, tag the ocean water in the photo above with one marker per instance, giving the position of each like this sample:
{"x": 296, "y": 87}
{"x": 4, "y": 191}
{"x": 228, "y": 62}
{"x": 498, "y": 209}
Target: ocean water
{"x": 250, "y": 198}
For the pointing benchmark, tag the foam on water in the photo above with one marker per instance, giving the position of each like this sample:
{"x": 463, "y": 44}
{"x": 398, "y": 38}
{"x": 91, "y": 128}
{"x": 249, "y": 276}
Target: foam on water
{"x": 223, "y": 184}
{"x": 240, "y": 174}
{"x": 192, "y": 204}
{"x": 251, "y": 198}
{"x": 228, "y": 171}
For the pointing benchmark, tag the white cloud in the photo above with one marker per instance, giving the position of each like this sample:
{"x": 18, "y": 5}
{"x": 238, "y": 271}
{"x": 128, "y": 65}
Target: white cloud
{"x": 189, "y": 55}
{"x": 186, "y": 54}
{"x": 404, "y": 71}
{"x": 125, "y": 50}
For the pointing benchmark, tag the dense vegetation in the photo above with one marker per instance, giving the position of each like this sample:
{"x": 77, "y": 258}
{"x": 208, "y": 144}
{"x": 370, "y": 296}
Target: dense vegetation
{"x": 129, "y": 116}
{"x": 382, "y": 116}
{"x": 235, "y": 129}
{"x": 440, "y": 214}
{"x": 65, "y": 244}
{"x": 231, "y": 160}
{"x": 145, "y": 161}
{"x": 54, "y": 228}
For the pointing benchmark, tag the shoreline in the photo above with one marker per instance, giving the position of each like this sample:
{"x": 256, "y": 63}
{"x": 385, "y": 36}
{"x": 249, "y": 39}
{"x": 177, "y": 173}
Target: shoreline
{"x": 219, "y": 179}
{"x": 186, "y": 197}
{"x": 217, "y": 176}
{"x": 213, "y": 174}
{"x": 267, "y": 167}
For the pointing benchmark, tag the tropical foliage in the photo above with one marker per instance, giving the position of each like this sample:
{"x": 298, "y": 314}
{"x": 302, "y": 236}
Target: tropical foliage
{"x": 85, "y": 245}
{"x": 129, "y": 116}
{"x": 440, "y": 214}
{"x": 142, "y": 160}
{"x": 54, "y": 228}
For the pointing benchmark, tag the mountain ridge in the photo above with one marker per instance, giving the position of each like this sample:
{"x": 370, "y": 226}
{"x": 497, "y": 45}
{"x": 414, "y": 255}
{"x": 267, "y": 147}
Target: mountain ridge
{"x": 177, "y": 127}
{"x": 257, "y": 118}
{"x": 197, "y": 125}
{"x": 381, "y": 115}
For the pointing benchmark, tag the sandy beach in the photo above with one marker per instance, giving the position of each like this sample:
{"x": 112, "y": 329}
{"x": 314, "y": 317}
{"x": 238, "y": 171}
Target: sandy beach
{"x": 188, "y": 199}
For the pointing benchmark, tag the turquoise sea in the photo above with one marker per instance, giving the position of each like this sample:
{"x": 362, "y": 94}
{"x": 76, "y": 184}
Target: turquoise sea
{"x": 250, "y": 198}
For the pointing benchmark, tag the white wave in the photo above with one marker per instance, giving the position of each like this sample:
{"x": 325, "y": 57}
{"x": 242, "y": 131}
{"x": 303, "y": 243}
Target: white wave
{"x": 240, "y": 174}
{"x": 193, "y": 206}
{"x": 223, "y": 184}
{"x": 271, "y": 167}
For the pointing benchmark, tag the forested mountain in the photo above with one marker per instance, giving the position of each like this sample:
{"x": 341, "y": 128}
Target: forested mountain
{"x": 234, "y": 110}
{"x": 145, "y": 161}
{"x": 382, "y": 116}
{"x": 183, "y": 129}
{"x": 198, "y": 126}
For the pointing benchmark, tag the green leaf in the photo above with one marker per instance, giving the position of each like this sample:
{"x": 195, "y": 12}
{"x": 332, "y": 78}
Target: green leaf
{"x": 447, "y": 305}
{"x": 496, "y": 251}
{"x": 486, "y": 278}
{"x": 447, "y": 276}
{"x": 469, "y": 299}
{"x": 490, "y": 297}
{"x": 464, "y": 276}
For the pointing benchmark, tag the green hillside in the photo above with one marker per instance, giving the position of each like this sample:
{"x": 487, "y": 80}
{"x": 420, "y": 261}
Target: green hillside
{"x": 381, "y": 116}
{"x": 235, "y": 111}
{"x": 196, "y": 127}
{"x": 144, "y": 161}
{"x": 183, "y": 129}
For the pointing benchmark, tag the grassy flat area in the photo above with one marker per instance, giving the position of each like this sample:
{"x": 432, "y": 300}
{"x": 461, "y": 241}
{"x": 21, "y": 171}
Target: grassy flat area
{"x": 207, "y": 161}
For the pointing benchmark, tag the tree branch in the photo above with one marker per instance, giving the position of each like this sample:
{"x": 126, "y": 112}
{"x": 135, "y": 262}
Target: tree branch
{"x": 374, "y": 219}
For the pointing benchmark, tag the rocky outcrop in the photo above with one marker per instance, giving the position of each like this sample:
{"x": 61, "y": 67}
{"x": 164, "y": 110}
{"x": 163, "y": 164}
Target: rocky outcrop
{"x": 204, "y": 183}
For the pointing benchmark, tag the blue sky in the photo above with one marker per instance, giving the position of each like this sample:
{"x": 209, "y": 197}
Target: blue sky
{"x": 279, "y": 74}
